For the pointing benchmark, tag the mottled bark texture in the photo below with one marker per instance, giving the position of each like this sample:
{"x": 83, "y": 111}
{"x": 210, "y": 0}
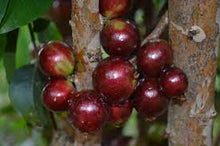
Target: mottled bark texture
{"x": 86, "y": 23}
{"x": 194, "y": 36}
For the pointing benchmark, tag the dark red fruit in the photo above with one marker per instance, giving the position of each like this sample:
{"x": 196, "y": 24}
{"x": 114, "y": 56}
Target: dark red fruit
{"x": 152, "y": 57}
{"x": 174, "y": 81}
{"x": 149, "y": 100}
{"x": 88, "y": 112}
{"x": 114, "y": 8}
{"x": 60, "y": 12}
{"x": 114, "y": 79}
{"x": 120, "y": 38}
{"x": 119, "y": 113}
{"x": 56, "y": 60}
{"x": 56, "y": 94}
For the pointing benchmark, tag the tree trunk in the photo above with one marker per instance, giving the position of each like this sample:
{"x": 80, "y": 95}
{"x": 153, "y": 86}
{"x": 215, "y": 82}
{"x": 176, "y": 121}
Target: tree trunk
{"x": 86, "y": 25}
{"x": 194, "y": 37}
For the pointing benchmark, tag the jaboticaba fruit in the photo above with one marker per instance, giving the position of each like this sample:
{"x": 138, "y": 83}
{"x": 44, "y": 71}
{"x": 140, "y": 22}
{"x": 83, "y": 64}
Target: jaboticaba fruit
{"x": 174, "y": 81}
{"x": 153, "y": 57}
{"x": 56, "y": 94}
{"x": 119, "y": 113}
{"x": 88, "y": 112}
{"x": 120, "y": 38}
{"x": 114, "y": 79}
{"x": 114, "y": 8}
{"x": 60, "y": 12}
{"x": 149, "y": 100}
{"x": 56, "y": 60}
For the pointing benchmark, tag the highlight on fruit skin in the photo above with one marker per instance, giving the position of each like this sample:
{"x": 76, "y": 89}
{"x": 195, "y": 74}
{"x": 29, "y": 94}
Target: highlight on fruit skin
{"x": 114, "y": 8}
{"x": 174, "y": 81}
{"x": 88, "y": 112}
{"x": 56, "y": 94}
{"x": 153, "y": 57}
{"x": 114, "y": 79}
{"x": 56, "y": 60}
{"x": 149, "y": 100}
{"x": 120, "y": 37}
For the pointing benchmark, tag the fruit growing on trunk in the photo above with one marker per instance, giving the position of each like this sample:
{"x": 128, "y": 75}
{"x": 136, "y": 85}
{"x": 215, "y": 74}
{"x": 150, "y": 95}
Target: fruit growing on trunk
{"x": 120, "y": 38}
{"x": 114, "y": 8}
{"x": 149, "y": 100}
{"x": 56, "y": 60}
{"x": 56, "y": 94}
{"x": 114, "y": 79}
{"x": 119, "y": 113}
{"x": 88, "y": 112}
{"x": 174, "y": 81}
{"x": 153, "y": 57}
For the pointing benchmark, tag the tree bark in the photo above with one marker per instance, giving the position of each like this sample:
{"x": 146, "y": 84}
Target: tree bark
{"x": 86, "y": 23}
{"x": 194, "y": 37}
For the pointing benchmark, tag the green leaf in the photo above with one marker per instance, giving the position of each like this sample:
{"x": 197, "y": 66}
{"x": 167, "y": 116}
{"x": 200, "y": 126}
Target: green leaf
{"x": 3, "y": 7}
{"x": 4, "y": 84}
{"x": 21, "y": 92}
{"x": 50, "y": 33}
{"x": 3, "y": 41}
{"x": 23, "y": 48}
{"x": 39, "y": 83}
{"x": 25, "y": 94}
{"x": 130, "y": 128}
{"x": 9, "y": 63}
{"x": 158, "y": 4}
{"x": 21, "y": 12}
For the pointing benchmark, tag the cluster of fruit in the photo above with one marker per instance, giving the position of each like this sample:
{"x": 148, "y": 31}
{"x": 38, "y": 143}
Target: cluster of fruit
{"x": 117, "y": 84}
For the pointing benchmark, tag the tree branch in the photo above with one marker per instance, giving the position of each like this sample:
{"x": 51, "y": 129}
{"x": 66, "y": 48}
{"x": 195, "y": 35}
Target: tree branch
{"x": 194, "y": 39}
{"x": 86, "y": 23}
{"x": 158, "y": 30}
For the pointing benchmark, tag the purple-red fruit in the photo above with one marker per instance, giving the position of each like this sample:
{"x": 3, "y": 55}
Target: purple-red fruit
{"x": 56, "y": 60}
{"x": 114, "y": 79}
{"x": 153, "y": 57}
{"x": 88, "y": 112}
{"x": 120, "y": 38}
{"x": 56, "y": 94}
{"x": 119, "y": 113}
{"x": 60, "y": 12}
{"x": 149, "y": 100}
{"x": 114, "y": 8}
{"x": 174, "y": 81}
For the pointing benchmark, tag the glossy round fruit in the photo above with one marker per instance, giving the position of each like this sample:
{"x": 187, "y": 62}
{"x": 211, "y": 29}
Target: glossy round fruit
{"x": 120, "y": 38}
{"x": 114, "y": 79}
{"x": 149, "y": 100}
{"x": 88, "y": 112}
{"x": 174, "y": 81}
{"x": 119, "y": 113}
{"x": 152, "y": 57}
{"x": 56, "y": 94}
{"x": 60, "y": 13}
{"x": 114, "y": 8}
{"x": 56, "y": 60}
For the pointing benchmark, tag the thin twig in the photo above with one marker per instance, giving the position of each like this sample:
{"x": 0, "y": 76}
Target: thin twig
{"x": 155, "y": 34}
{"x": 33, "y": 40}
{"x": 54, "y": 124}
{"x": 158, "y": 30}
